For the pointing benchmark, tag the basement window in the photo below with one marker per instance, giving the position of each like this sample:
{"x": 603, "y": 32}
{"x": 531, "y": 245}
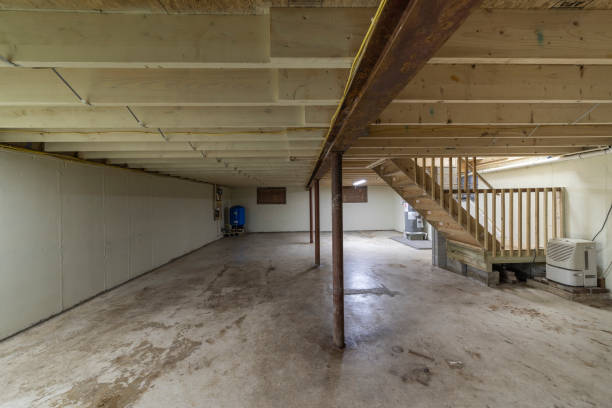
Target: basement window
{"x": 271, "y": 195}
{"x": 351, "y": 194}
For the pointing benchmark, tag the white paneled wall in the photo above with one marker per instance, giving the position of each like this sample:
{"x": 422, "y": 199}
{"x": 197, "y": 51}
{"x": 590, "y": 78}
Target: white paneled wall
{"x": 381, "y": 212}
{"x": 69, "y": 231}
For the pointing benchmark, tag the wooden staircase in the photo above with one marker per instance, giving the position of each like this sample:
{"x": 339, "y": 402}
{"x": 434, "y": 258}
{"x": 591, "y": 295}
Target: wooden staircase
{"x": 444, "y": 191}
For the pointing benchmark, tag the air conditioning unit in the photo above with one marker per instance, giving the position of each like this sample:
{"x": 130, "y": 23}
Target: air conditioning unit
{"x": 571, "y": 262}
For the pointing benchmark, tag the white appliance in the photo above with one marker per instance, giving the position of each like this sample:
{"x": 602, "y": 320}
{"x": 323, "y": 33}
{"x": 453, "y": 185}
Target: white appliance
{"x": 571, "y": 262}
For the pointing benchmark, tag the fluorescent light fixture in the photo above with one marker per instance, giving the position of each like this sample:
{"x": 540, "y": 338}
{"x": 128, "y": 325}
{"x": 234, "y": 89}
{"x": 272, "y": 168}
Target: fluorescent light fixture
{"x": 360, "y": 182}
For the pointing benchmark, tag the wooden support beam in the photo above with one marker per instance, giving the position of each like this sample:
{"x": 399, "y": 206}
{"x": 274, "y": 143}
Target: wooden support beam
{"x": 417, "y": 29}
{"x": 337, "y": 249}
{"x": 317, "y": 225}
{"x": 310, "y": 213}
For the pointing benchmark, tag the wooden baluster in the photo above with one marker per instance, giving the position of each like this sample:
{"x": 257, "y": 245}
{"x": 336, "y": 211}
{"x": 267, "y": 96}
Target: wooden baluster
{"x": 432, "y": 170}
{"x": 561, "y": 214}
{"x": 450, "y": 186}
{"x": 545, "y": 219}
{"x": 494, "y": 219}
{"x": 486, "y": 219}
{"x": 441, "y": 181}
{"x": 528, "y": 222}
{"x": 537, "y": 221}
{"x": 520, "y": 222}
{"x": 423, "y": 182}
{"x": 554, "y": 213}
{"x": 502, "y": 214}
{"x": 511, "y": 220}
{"x": 459, "y": 204}
{"x": 476, "y": 198}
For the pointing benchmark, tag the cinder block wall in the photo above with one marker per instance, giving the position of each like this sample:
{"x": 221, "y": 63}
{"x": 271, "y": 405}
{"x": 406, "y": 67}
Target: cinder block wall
{"x": 69, "y": 231}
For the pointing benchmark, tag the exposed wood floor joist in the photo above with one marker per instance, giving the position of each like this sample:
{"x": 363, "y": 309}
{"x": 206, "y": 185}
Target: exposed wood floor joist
{"x": 245, "y": 81}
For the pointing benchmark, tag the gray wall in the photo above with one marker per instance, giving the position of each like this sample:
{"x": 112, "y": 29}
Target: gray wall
{"x": 69, "y": 231}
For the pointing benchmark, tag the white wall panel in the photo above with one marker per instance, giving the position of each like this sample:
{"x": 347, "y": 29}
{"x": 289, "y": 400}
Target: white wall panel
{"x": 82, "y": 244}
{"x": 70, "y": 230}
{"x": 117, "y": 226}
{"x": 379, "y": 213}
{"x": 30, "y": 274}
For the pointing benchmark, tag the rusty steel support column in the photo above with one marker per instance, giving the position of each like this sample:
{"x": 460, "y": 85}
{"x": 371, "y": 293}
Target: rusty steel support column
{"x": 337, "y": 248}
{"x": 310, "y": 211}
{"x": 317, "y": 224}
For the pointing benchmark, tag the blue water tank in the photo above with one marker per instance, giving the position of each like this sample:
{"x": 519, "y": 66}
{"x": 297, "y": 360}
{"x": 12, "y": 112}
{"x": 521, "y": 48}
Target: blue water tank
{"x": 237, "y": 216}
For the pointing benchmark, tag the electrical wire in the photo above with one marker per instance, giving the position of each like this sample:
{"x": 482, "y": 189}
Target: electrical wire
{"x": 604, "y": 223}
{"x": 352, "y": 71}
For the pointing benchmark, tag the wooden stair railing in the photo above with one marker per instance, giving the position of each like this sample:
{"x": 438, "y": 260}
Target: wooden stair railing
{"x": 444, "y": 190}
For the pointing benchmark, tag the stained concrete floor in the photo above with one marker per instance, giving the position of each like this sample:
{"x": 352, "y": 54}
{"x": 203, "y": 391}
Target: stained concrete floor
{"x": 246, "y": 322}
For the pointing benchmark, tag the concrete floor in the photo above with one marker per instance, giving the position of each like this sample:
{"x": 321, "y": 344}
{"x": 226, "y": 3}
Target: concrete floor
{"x": 246, "y": 322}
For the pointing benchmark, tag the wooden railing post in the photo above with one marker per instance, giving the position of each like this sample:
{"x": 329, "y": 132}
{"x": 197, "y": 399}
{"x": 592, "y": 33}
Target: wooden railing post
{"x": 503, "y": 222}
{"x": 561, "y": 214}
{"x": 528, "y": 222}
{"x": 441, "y": 179}
{"x": 520, "y": 222}
{"x": 432, "y": 170}
{"x": 494, "y": 219}
{"x": 459, "y": 205}
{"x": 545, "y": 219}
{"x": 511, "y": 221}
{"x": 486, "y": 219}
{"x": 450, "y": 186}
{"x": 423, "y": 182}
{"x": 554, "y": 212}
{"x": 476, "y": 198}
{"x": 537, "y": 221}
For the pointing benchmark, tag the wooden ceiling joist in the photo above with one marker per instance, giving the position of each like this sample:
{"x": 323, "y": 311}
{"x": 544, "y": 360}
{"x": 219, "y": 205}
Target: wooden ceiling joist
{"x": 405, "y": 36}
{"x": 225, "y": 85}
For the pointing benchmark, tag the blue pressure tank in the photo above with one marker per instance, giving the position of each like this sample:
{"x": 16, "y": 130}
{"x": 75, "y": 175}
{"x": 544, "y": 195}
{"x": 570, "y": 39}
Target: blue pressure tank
{"x": 237, "y": 216}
